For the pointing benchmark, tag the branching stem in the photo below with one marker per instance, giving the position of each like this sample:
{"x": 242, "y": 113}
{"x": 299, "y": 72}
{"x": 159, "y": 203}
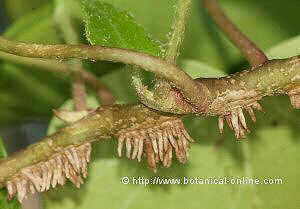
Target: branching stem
{"x": 195, "y": 94}
{"x": 205, "y": 96}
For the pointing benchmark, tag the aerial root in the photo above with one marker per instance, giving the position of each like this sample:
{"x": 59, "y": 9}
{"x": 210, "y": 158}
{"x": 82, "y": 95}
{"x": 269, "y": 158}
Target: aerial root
{"x": 157, "y": 143}
{"x": 70, "y": 164}
{"x": 236, "y": 120}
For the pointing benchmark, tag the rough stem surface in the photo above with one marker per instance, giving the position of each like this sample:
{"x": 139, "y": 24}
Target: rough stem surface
{"x": 100, "y": 124}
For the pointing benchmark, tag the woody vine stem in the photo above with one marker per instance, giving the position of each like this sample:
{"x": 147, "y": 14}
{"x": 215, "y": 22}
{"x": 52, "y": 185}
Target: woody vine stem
{"x": 225, "y": 97}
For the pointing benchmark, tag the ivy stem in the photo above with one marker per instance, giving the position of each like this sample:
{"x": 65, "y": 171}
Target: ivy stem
{"x": 194, "y": 93}
{"x": 99, "y": 125}
{"x": 249, "y": 49}
{"x": 64, "y": 23}
{"x": 228, "y": 93}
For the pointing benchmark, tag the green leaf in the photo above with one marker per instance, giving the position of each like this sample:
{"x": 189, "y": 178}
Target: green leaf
{"x": 4, "y": 202}
{"x": 107, "y": 26}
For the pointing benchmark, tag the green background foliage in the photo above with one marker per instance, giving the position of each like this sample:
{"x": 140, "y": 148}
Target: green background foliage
{"x": 270, "y": 151}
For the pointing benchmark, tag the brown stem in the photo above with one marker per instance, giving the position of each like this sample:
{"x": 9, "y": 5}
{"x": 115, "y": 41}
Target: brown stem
{"x": 105, "y": 95}
{"x": 250, "y": 50}
{"x": 79, "y": 92}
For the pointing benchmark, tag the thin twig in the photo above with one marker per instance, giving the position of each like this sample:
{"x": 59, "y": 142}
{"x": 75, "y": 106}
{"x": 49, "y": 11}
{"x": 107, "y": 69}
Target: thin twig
{"x": 249, "y": 49}
{"x": 79, "y": 91}
{"x": 64, "y": 23}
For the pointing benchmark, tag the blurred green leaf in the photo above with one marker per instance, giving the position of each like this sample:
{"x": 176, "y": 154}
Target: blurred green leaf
{"x": 18, "y": 8}
{"x": 4, "y": 202}
{"x": 73, "y": 7}
{"x": 288, "y": 48}
{"x": 31, "y": 92}
{"x": 3, "y": 153}
{"x": 198, "y": 69}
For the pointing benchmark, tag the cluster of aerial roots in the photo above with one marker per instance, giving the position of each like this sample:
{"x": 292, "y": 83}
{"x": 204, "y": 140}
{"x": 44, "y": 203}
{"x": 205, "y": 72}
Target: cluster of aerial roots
{"x": 70, "y": 164}
{"x": 157, "y": 143}
{"x": 236, "y": 119}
